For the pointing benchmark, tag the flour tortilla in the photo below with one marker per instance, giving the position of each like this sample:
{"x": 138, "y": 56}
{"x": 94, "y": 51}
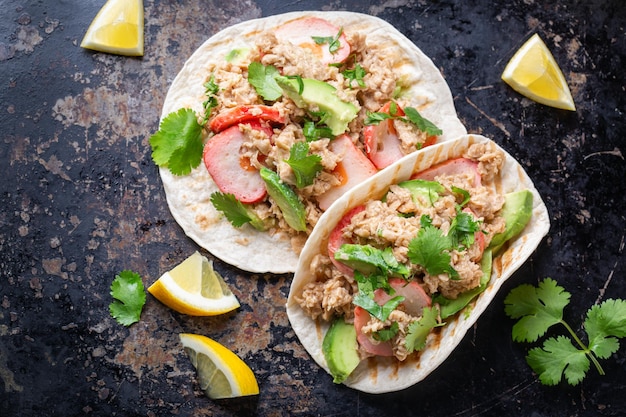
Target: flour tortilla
{"x": 378, "y": 374}
{"x": 188, "y": 196}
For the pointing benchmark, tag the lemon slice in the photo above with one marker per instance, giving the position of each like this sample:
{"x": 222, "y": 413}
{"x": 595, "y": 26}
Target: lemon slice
{"x": 194, "y": 288}
{"x": 221, "y": 373}
{"x": 534, "y": 73}
{"x": 117, "y": 28}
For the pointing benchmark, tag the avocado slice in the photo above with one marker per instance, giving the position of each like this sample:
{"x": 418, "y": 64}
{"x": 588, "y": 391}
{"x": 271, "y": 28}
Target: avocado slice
{"x": 287, "y": 200}
{"x": 309, "y": 93}
{"x": 423, "y": 190}
{"x": 448, "y": 307}
{"x": 517, "y": 211}
{"x": 340, "y": 350}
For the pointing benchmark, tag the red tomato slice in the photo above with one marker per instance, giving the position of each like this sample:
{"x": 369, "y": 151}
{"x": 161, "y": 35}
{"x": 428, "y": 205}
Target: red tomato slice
{"x": 336, "y": 239}
{"x": 301, "y": 32}
{"x": 353, "y": 169}
{"x": 361, "y": 318}
{"x": 242, "y": 114}
{"x": 232, "y": 173}
{"x": 451, "y": 167}
{"x": 479, "y": 236}
{"x": 415, "y": 298}
{"x": 382, "y": 144}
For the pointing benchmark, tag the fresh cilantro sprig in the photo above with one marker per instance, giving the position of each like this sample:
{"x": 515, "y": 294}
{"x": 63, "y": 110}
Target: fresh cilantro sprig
{"x": 539, "y": 308}
{"x": 418, "y": 330}
{"x": 313, "y": 131}
{"x": 356, "y": 75}
{"x": 305, "y": 167}
{"x": 178, "y": 143}
{"x": 333, "y": 41}
{"x": 263, "y": 79}
{"x": 235, "y": 211}
{"x": 411, "y": 115}
{"x": 129, "y": 297}
{"x": 210, "y": 90}
{"x": 431, "y": 249}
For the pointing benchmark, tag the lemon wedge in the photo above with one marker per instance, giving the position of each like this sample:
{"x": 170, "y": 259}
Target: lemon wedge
{"x": 534, "y": 73}
{"x": 117, "y": 28}
{"x": 193, "y": 287}
{"x": 221, "y": 373}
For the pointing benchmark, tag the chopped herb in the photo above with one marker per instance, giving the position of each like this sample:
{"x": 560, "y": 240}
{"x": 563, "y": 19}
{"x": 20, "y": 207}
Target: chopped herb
{"x": 355, "y": 75}
{"x": 333, "y": 42}
{"x": 305, "y": 167}
{"x": 129, "y": 297}
{"x": 431, "y": 249}
{"x": 418, "y": 330}
{"x": 539, "y": 308}
{"x": 412, "y": 116}
{"x": 380, "y": 312}
{"x": 263, "y": 79}
{"x": 235, "y": 211}
{"x": 388, "y": 333}
{"x": 210, "y": 90}
{"x": 178, "y": 144}
{"x": 316, "y": 130}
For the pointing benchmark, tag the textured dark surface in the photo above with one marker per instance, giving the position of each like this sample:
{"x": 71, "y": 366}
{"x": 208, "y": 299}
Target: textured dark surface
{"x": 81, "y": 200}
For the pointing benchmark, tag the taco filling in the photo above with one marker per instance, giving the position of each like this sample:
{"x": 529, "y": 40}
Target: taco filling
{"x": 397, "y": 267}
{"x": 293, "y": 116}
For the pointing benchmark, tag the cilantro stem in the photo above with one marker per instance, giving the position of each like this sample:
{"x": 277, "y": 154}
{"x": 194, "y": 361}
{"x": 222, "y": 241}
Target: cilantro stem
{"x": 584, "y": 347}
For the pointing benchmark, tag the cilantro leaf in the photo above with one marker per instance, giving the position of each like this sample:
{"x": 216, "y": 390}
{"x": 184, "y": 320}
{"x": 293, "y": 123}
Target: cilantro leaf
{"x": 421, "y": 122}
{"x": 263, "y": 79}
{"x": 430, "y": 249}
{"x": 129, "y": 297}
{"x": 178, "y": 144}
{"x": 305, "y": 167}
{"x": 557, "y": 357}
{"x": 603, "y": 324}
{"x": 370, "y": 260}
{"x": 537, "y": 308}
{"x": 386, "y": 334}
{"x": 355, "y": 75}
{"x": 366, "y": 302}
{"x": 333, "y": 42}
{"x": 373, "y": 118}
{"x": 418, "y": 330}
{"x": 463, "y": 229}
{"x": 210, "y": 90}
{"x": 314, "y": 131}
{"x": 235, "y": 211}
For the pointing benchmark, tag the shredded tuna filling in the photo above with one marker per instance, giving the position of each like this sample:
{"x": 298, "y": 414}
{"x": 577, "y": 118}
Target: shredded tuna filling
{"x": 387, "y": 223}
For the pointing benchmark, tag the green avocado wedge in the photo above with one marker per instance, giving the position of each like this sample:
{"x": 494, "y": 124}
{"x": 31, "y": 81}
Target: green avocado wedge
{"x": 340, "y": 350}
{"x": 517, "y": 211}
{"x": 287, "y": 200}
{"x": 315, "y": 95}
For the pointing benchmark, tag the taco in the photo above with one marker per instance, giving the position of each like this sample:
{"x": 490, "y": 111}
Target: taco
{"x": 293, "y": 110}
{"x": 399, "y": 268}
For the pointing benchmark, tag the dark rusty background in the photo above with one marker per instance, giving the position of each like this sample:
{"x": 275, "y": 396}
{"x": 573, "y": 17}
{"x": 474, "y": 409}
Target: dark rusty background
{"x": 81, "y": 200}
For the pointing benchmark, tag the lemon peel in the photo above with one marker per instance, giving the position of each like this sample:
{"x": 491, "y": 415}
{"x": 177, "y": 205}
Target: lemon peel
{"x": 534, "y": 73}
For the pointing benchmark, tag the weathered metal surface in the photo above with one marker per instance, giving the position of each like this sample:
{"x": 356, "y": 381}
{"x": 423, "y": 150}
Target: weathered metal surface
{"x": 81, "y": 200}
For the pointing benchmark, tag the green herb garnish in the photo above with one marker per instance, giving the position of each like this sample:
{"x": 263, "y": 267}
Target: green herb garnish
{"x": 539, "y": 308}
{"x": 178, "y": 144}
{"x": 129, "y": 297}
{"x": 333, "y": 42}
{"x": 235, "y": 211}
{"x": 305, "y": 167}
{"x": 355, "y": 75}
{"x": 263, "y": 79}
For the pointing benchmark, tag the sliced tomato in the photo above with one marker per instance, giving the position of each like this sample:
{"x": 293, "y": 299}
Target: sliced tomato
{"x": 415, "y": 298}
{"x": 232, "y": 173}
{"x": 353, "y": 169}
{"x": 479, "y": 236}
{"x": 336, "y": 239}
{"x": 242, "y": 114}
{"x": 361, "y": 318}
{"x": 451, "y": 167}
{"x": 302, "y": 31}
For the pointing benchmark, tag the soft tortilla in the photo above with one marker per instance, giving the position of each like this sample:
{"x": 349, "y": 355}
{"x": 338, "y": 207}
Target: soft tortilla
{"x": 379, "y": 375}
{"x": 189, "y": 196}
